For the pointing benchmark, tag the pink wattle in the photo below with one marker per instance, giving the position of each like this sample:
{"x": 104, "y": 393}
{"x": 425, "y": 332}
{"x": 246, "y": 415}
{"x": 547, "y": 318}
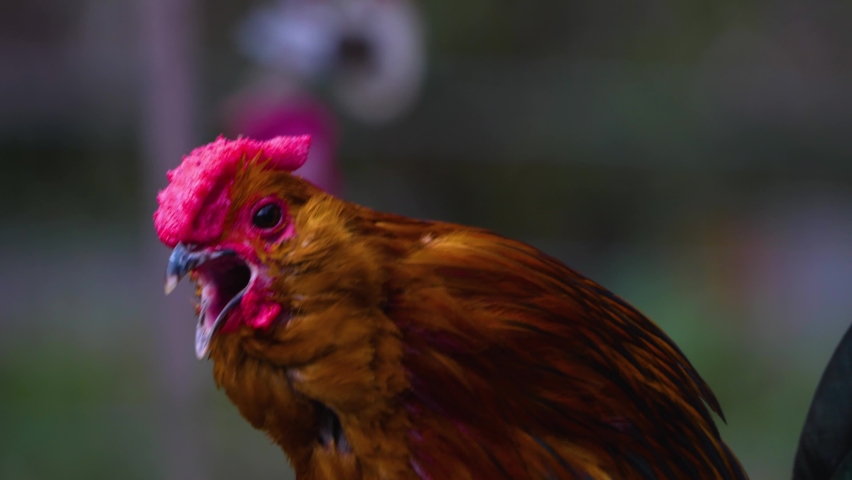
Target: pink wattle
{"x": 266, "y": 315}
{"x": 200, "y": 182}
{"x": 255, "y": 311}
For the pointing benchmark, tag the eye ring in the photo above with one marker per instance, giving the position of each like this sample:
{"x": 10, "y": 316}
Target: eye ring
{"x": 267, "y": 216}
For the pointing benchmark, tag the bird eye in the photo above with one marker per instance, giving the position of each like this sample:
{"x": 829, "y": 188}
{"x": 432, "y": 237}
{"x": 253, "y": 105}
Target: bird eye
{"x": 267, "y": 216}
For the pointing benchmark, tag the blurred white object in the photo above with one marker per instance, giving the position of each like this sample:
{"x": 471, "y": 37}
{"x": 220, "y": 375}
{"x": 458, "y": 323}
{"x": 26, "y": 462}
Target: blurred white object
{"x": 294, "y": 37}
{"x": 370, "y": 51}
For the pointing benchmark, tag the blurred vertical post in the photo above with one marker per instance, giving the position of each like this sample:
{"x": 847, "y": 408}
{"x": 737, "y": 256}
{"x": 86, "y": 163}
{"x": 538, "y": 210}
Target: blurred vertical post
{"x": 168, "y": 38}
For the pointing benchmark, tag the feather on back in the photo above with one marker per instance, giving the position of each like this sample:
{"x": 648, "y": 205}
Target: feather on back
{"x": 522, "y": 368}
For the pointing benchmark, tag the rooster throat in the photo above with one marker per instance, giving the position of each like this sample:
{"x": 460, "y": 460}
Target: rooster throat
{"x": 209, "y": 324}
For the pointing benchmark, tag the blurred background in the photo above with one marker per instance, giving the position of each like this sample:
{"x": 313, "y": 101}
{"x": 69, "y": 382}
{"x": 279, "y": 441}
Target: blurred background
{"x": 694, "y": 157}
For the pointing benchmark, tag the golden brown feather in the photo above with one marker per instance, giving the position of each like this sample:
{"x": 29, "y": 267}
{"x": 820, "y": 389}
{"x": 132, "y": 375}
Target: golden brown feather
{"x": 450, "y": 352}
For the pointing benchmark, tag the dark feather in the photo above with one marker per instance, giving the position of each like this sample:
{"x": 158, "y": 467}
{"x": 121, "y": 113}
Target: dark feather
{"x": 825, "y": 446}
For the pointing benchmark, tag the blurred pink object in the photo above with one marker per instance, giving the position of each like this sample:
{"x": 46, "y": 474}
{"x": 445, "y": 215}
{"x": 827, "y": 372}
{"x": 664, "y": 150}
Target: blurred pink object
{"x": 263, "y": 117}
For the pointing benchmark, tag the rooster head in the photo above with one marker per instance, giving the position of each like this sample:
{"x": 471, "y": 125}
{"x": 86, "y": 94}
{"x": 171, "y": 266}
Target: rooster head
{"x": 227, "y": 204}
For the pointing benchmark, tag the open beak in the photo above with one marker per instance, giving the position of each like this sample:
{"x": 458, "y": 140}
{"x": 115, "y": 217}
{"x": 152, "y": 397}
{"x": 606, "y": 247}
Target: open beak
{"x": 216, "y": 299}
{"x": 183, "y": 260}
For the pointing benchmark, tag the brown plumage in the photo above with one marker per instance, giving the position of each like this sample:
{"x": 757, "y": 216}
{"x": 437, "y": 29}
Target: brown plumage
{"x": 410, "y": 349}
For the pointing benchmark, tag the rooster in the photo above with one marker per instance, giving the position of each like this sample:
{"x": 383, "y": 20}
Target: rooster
{"x": 374, "y": 346}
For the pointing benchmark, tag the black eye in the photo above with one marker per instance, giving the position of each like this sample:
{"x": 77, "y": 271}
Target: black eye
{"x": 267, "y": 216}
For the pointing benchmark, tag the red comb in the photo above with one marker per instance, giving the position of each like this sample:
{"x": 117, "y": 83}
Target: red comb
{"x": 211, "y": 169}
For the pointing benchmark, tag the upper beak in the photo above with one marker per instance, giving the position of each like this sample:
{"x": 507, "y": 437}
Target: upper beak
{"x": 183, "y": 260}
